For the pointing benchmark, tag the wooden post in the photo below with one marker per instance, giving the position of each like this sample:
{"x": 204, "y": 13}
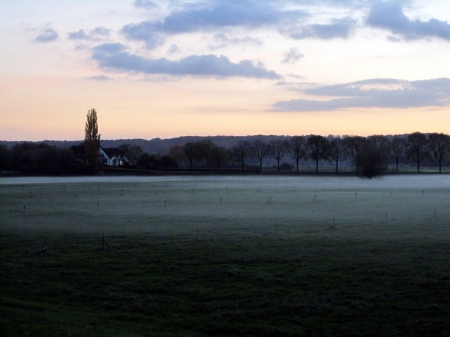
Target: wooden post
{"x": 44, "y": 250}
{"x": 104, "y": 242}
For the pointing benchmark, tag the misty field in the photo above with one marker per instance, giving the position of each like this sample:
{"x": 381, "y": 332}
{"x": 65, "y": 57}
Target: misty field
{"x": 225, "y": 256}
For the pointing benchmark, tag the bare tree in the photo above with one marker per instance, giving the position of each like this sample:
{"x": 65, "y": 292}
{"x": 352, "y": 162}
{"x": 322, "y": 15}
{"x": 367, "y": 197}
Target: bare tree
{"x": 190, "y": 150}
{"x": 92, "y": 139}
{"x": 337, "y": 151}
{"x": 219, "y": 157}
{"x": 132, "y": 152}
{"x": 296, "y": 148}
{"x": 354, "y": 145}
{"x": 259, "y": 149}
{"x": 177, "y": 152}
{"x": 416, "y": 148}
{"x": 278, "y": 149}
{"x": 204, "y": 150}
{"x": 240, "y": 152}
{"x": 397, "y": 149}
{"x": 439, "y": 147}
{"x": 317, "y": 148}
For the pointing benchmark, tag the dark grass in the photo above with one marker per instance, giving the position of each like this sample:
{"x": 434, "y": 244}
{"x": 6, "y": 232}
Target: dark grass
{"x": 176, "y": 285}
{"x": 241, "y": 267}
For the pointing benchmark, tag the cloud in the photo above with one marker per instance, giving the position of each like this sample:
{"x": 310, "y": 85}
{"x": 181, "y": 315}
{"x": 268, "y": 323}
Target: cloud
{"x": 99, "y": 78}
{"x": 224, "y": 40}
{"x": 173, "y": 49}
{"x": 115, "y": 56}
{"x": 292, "y": 56}
{"x": 80, "y": 35}
{"x": 373, "y": 93}
{"x": 47, "y": 35}
{"x": 339, "y": 28}
{"x": 101, "y": 31}
{"x": 145, "y": 4}
{"x": 390, "y": 16}
{"x": 83, "y": 35}
{"x": 211, "y": 15}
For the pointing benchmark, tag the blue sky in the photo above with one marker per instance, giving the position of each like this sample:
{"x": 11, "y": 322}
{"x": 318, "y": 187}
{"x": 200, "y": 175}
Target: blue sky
{"x": 174, "y": 68}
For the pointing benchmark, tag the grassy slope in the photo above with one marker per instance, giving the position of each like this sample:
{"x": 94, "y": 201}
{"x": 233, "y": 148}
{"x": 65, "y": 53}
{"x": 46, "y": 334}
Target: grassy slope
{"x": 184, "y": 263}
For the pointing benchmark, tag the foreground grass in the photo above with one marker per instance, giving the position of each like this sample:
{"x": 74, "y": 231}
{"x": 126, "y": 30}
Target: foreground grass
{"x": 237, "y": 267}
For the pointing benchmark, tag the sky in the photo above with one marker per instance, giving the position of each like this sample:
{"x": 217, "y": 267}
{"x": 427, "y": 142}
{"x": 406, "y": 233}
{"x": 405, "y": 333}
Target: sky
{"x": 223, "y": 67}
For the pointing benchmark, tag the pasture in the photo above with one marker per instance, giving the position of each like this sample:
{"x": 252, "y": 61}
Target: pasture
{"x": 225, "y": 256}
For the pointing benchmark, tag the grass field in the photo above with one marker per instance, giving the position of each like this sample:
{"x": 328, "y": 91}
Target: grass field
{"x": 225, "y": 256}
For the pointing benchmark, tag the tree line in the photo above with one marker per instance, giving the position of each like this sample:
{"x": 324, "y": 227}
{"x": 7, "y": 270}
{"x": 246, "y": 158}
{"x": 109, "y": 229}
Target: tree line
{"x": 369, "y": 156}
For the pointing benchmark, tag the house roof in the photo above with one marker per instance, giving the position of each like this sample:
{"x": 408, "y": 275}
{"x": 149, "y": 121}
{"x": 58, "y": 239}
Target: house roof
{"x": 113, "y": 152}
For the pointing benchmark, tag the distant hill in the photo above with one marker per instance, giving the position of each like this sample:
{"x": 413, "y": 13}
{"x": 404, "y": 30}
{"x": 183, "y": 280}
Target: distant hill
{"x": 158, "y": 145}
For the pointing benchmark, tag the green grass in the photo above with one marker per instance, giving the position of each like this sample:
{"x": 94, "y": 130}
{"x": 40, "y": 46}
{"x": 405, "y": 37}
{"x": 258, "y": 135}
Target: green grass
{"x": 183, "y": 263}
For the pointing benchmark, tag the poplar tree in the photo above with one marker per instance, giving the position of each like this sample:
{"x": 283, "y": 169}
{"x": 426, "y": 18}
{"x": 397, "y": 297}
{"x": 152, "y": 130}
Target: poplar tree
{"x": 92, "y": 139}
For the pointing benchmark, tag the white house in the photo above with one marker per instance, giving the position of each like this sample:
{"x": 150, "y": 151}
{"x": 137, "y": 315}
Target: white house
{"x": 113, "y": 157}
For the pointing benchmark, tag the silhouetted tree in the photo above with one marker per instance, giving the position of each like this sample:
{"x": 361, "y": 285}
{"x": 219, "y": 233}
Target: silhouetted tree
{"x": 337, "y": 151}
{"x": 146, "y": 160}
{"x": 240, "y": 152}
{"x": 397, "y": 149}
{"x": 177, "y": 152}
{"x": 317, "y": 148}
{"x": 203, "y": 150}
{"x": 43, "y": 159}
{"x": 219, "y": 157}
{"x": 296, "y": 149}
{"x": 416, "y": 148}
{"x": 374, "y": 156}
{"x": 190, "y": 150}
{"x": 439, "y": 147}
{"x": 278, "y": 149}
{"x": 354, "y": 145}
{"x": 92, "y": 139}
{"x": 132, "y": 152}
{"x": 260, "y": 150}
{"x": 167, "y": 162}
{"x": 4, "y": 154}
